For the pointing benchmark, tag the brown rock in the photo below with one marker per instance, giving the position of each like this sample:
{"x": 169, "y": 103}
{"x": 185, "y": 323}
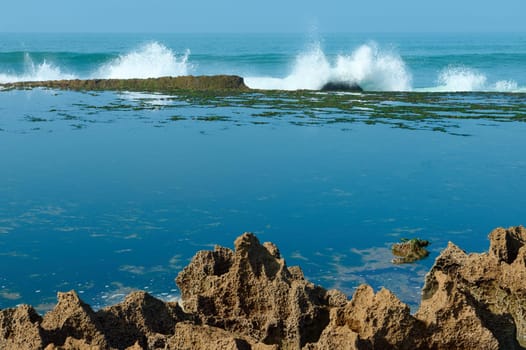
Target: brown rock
{"x": 74, "y": 344}
{"x": 409, "y": 250}
{"x": 474, "y": 301}
{"x": 249, "y": 299}
{"x": 250, "y": 291}
{"x": 71, "y": 317}
{"x": 189, "y": 336}
{"x": 20, "y": 329}
{"x": 216, "y": 83}
{"x": 372, "y": 321}
{"x": 505, "y": 243}
{"x": 140, "y": 319}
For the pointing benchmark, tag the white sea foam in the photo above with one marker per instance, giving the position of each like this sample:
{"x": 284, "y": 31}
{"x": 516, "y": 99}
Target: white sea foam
{"x": 152, "y": 60}
{"x": 466, "y": 79}
{"x": 36, "y": 72}
{"x": 367, "y": 66}
{"x": 461, "y": 79}
{"x": 506, "y": 85}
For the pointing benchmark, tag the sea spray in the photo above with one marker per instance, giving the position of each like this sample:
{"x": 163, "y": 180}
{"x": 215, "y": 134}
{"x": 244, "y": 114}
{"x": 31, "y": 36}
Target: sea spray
{"x": 460, "y": 79}
{"x": 152, "y": 60}
{"x": 36, "y": 72}
{"x": 274, "y": 63}
{"x": 367, "y": 66}
{"x": 373, "y": 69}
{"x": 466, "y": 79}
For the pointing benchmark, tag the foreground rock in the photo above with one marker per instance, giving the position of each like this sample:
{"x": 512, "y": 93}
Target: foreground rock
{"x": 164, "y": 84}
{"x": 248, "y": 298}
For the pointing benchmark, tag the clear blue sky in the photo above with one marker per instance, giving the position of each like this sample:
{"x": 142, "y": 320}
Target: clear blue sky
{"x": 263, "y": 16}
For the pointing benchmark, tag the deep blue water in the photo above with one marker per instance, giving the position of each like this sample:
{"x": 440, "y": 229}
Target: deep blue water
{"x": 108, "y": 192}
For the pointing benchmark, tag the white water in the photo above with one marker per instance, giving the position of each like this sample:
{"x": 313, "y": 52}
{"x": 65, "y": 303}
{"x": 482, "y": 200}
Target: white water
{"x": 36, "y": 72}
{"x": 152, "y": 60}
{"x": 367, "y": 66}
{"x": 462, "y": 79}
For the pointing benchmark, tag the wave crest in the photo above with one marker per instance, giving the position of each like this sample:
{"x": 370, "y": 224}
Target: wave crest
{"x": 466, "y": 79}
{"x": 368, "y": 66}
{"x": 460, "y": 79}
{"x": 36, "y": 72}
{"x": 152, "y": 60}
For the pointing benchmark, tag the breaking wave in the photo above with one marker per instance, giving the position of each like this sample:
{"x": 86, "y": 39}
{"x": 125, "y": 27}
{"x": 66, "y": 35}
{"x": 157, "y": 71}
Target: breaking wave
{"x": 465, "y": 79}
{"x": 368, "y": 66}
{"x": 36, "y": 72}
{"x": 152, "y": 60}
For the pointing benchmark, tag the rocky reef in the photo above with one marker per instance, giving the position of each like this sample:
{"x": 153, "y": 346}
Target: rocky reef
{"x": 165, "y": 84}
{"x": 248, "y": 298}
{"x": 212, "y": 83}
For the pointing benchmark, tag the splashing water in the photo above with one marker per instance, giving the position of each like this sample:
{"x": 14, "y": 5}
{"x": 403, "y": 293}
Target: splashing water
{"x": 367, "y": 66}
{"x": 507, "y": 86}
{"x": 460, "y": 79}
{"x": 465, "y": 79}
{"x": 152, "y": 60}
{"x": 36, "y": 72}
{"x": 371, "y": 67}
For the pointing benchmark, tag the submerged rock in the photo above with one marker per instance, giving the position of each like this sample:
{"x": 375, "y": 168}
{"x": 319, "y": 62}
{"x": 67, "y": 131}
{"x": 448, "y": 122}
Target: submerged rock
{"x": 341, "y": 86}
{"x": 248, "y": 298}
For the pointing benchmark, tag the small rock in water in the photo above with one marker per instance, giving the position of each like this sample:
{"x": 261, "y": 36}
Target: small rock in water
{"x": 409, "y": 250}
{"x": 341, "y": 86}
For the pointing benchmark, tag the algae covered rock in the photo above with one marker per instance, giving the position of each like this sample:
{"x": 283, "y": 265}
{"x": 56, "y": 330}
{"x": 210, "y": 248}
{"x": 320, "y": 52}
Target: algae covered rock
{"x": 409, "y": 250}
{"x": 163, "y": 84}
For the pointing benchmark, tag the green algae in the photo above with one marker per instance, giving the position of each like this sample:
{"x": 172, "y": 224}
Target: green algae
{"x": 164, "y": 84}
{"x": 191, "y": 96}
{"x": 33, "y": 119}
{"x": 175, "y": 118}
{"x": 212, "y": 118}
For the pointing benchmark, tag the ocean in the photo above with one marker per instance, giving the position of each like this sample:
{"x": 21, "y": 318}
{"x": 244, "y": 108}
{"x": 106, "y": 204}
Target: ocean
{"x": 377, "y": 62}
{"x": 108, "y": 192}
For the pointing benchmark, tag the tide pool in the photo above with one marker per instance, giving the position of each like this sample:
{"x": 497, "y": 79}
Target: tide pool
{"x": 108, "y": 192}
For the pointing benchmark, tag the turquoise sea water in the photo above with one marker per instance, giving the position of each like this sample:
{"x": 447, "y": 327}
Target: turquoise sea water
{"x": 437, "y": 62}
{"x": 106, "y": 192}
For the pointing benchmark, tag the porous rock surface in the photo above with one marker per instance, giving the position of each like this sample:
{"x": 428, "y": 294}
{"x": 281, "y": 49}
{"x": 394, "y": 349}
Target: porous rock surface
{"x": 248, "y": 298}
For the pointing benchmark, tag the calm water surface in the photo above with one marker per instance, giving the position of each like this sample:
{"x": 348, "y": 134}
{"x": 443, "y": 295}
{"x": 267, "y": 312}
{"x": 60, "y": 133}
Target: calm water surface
{"x": 109, "y": 192}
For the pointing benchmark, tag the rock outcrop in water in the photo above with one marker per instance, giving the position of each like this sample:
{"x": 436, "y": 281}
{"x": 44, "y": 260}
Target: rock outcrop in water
{"x": 164, "y": 84}
{"x": 248, "y": 298}
{"x": 341, "y": 86}
{"x": 213, "y": 83}
{"x": 409, "y": 250}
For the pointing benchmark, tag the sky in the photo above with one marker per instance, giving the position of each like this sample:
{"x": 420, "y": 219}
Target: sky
{"x": 174, "y": 16}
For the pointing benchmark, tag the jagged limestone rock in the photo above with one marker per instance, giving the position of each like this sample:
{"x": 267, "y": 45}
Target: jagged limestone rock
{"x": 247, "y": 298}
